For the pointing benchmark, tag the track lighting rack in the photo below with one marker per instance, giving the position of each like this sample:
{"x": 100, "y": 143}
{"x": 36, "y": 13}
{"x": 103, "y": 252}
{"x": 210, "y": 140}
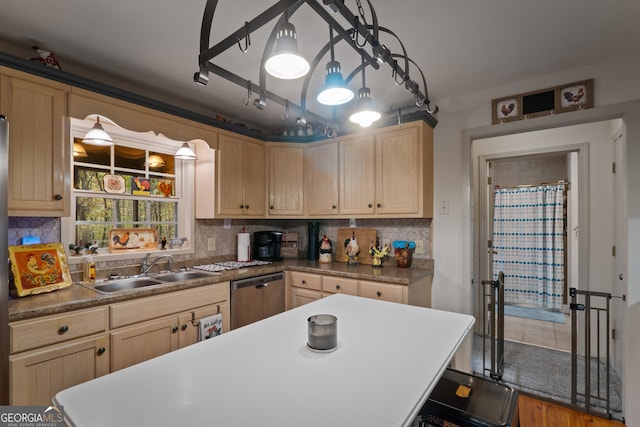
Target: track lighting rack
{"x": 359, "y": 36}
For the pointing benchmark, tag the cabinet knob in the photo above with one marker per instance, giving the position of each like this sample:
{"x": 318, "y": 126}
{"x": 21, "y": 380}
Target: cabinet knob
{"x": 379, "y": 205}
{"x": 246, "y": 206}
{"x": 271, "y": 207}
{"x": 370, "y": 205}
{"x": 184, "y": 326}
{"x": 63, "y": 329}
{"x": 333, "y": 207}
{"x": 174, "y": 329}
{"x": 241, "y": 206}
{"x": 379, "y": 293}
{"x": 58, "y": 197}
{"x": 304, "y": 282}
{"x": 101, "y": 351}
{"x": 338, "y": 287}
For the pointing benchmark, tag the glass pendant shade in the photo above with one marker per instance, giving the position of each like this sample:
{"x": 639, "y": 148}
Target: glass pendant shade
{"x": 79, "y": 151}
{"x": 97, "y": 135}
{"x": 185, "y": 152}
{"x": 285, "y": 62}
{"x": 365, "y": 114}
{"x": 155, "y": 161}
{"x": 334, "y": 92}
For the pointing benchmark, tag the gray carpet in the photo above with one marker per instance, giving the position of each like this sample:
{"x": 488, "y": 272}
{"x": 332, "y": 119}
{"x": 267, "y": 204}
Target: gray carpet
{"x": 547, "y": 373}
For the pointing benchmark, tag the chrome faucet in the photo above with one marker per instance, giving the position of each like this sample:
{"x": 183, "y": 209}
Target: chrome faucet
{"x": 146, "y": 265}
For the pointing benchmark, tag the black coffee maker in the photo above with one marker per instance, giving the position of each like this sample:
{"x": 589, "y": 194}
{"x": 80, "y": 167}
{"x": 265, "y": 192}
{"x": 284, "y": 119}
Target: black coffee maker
{"x": 266, "y": 245}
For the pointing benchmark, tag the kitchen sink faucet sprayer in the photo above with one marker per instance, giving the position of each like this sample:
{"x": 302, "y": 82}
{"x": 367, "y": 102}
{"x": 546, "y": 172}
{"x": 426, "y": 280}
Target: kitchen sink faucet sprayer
{"x": 146, "y": 265}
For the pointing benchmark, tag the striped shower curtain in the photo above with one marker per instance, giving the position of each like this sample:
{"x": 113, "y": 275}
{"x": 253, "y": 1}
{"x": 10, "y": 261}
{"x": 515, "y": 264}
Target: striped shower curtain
{"x": 528, "y": 244}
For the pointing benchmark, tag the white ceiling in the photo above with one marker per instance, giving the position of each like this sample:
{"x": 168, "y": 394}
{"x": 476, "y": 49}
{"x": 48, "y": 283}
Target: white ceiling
{"x": 462, "y": 46}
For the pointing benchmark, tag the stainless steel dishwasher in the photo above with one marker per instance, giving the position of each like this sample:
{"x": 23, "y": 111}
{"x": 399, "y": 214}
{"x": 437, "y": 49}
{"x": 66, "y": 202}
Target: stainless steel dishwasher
{"x": 256, "y": 298}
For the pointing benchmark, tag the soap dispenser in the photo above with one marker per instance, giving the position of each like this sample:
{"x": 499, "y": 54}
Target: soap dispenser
{"x": 89, "y": 270}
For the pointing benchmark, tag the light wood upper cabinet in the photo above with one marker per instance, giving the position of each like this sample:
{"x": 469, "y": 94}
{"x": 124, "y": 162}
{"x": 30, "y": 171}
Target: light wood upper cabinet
{"x": 357, "y": 175}
{"x": 389, "y": 174}
{"x": 241, "y": 177}
{"x": 286, "y": 180}
{"x": 399, "y": 172}
{"x": 321, "y": 179}
{"x": 36, "y": 108}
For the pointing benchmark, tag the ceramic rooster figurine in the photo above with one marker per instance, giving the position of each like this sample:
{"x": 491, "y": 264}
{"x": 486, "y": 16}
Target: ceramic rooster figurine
{"x": 378, "y": 253}
{"x": 325, "y": 250}
{"x": 352, "y": 249}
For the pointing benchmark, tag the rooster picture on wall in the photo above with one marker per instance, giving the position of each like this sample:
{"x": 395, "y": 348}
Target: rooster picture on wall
{"x": 573, "y": 96}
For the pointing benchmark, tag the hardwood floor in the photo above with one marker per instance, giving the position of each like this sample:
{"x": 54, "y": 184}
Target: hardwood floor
{"x": 538, "y": 413}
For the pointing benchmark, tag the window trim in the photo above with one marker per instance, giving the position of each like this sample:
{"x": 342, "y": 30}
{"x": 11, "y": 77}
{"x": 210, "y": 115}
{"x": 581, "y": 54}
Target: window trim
{"x": 151, "y": 141}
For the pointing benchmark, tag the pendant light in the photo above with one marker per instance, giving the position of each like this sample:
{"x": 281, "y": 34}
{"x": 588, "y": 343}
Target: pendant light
{"x": 185, "y": 152}
{"x": 365, "y": 114}
{"x": 334, "y": 92}
{"x": 79, "y": 152}
{"x": 97, "y": 135}
{"x": 285, "y": 62}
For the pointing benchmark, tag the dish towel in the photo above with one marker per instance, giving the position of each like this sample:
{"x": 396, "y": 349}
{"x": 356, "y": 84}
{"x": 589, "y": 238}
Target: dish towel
{"x": 210, "y": 327}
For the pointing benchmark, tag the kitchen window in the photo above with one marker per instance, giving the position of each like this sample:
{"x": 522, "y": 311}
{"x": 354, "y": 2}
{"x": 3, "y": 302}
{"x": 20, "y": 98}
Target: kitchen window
{"x": 136, "y": 183}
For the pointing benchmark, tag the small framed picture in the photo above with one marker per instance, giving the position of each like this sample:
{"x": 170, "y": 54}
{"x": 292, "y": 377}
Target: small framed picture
{"x": 507, "y": 109}
{"x": 574, "y": 96}
{"x": 140, "y": 186}
{"x": 39, "y": 268}
{"x": 132, "y": 239}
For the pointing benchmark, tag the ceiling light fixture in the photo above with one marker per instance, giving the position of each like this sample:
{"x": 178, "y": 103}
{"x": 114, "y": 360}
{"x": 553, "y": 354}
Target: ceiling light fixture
{"x": 97, "y": 135}
{"x": 281, "y": 58}
{"x": 79, "y": 152}
{"x": 365, "y": 114}
{"x": 155, "y": 161}
{"x": 185, "y": 152}
{"x": 335, "y": 92}
{"x": 285, "y": 62}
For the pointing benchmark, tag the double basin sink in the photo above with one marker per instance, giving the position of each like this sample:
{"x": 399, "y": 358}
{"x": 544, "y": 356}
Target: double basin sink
{"x": 130, "y": 283}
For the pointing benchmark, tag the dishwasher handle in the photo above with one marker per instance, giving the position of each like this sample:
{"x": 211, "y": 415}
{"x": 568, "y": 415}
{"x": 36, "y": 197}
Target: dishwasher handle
{"x": 258, "y": 282}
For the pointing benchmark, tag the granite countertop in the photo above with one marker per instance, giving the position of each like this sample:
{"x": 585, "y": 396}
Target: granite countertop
{"x": 77, "y": 296}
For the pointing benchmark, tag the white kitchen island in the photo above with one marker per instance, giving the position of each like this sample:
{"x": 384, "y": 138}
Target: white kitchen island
{"x": 389, "y": 358}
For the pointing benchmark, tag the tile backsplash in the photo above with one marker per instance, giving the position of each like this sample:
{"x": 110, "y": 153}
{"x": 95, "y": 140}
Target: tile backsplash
{"x": 226, "y": 238}
{"x": 48, "y": 229}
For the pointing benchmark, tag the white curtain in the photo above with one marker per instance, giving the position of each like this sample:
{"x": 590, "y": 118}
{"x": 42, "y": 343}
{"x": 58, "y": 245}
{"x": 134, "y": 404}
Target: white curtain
{"x": 528, "y": 244}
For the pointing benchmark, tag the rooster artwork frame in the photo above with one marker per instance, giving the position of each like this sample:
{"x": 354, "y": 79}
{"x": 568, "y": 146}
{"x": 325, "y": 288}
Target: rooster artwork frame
{"x": 574, "y": 96}
{"x": 39, "y": 268}
{"x": 507, "y": 109}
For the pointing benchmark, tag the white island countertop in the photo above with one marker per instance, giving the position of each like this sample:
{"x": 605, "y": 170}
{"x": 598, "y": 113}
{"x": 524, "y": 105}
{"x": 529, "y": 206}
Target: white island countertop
{"x": 388, "y": 360}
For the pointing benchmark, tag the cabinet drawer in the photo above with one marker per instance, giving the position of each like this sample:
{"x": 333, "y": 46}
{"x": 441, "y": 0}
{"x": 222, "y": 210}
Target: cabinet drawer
{"x": 127, "y": 313}
{"x": 306, "y": 280}
{"x": 28, "y": 334}
{"x": 340, "y": 285}
{"x": 382, "y": 291}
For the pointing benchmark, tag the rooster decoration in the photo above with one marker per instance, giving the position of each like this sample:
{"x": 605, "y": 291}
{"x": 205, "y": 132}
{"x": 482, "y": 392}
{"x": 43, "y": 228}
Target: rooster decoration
{"x": 574, "y": 98}
{"x": 507, "y": 109}
{"x": 121, "y": 240}
{"x": 325, "y": 250}
{"x": 45, "y": 57}
{"x": 352, "y": 249}
{"x": 378, "y": 253}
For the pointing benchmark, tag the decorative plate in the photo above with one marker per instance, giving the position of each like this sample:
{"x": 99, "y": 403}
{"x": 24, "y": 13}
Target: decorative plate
{"x": 133, "y": 239}
{"x": 113, "y": 184}
{"x": 39, "y": 268}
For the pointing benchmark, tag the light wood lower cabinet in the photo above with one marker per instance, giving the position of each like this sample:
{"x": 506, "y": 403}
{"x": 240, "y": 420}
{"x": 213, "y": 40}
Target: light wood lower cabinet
{"x": 149, "y": 327}
{"x": 307, "y": 287}
{"x": 383, "y": 291}
{"x": 37, "y": 375}
{"x": 51, "y": 353}
{"x": 55, "y": 352}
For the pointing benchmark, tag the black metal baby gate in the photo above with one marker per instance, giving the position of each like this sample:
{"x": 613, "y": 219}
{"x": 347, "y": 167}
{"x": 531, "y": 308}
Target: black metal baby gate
{"x": 592, "y": 389}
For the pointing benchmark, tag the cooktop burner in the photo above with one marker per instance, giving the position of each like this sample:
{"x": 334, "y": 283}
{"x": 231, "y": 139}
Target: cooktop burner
{"x": 229, "y": 265}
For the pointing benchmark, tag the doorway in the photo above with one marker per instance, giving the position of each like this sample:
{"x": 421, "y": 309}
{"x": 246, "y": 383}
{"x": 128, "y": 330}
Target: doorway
{"x": 586, "y": 150}
{"x": 531, "y": 208}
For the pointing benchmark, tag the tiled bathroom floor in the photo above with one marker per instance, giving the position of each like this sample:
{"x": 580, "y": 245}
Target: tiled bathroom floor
{"x": 537, "y": 332}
